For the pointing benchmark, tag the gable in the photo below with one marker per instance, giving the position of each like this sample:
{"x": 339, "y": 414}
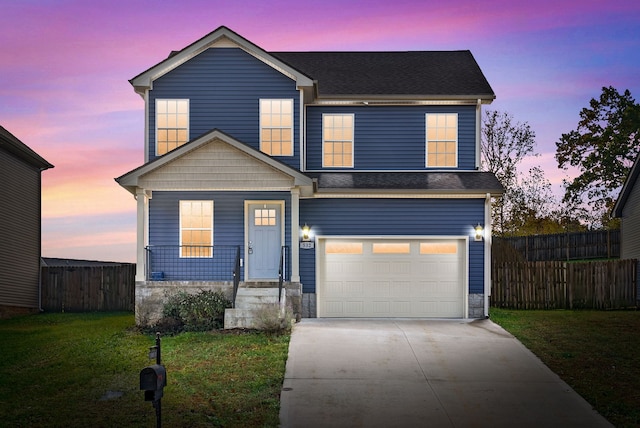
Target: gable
{"x": 215, "y": 161}
{"x": 216, "y": 166}
{"x": 221, "y": 37}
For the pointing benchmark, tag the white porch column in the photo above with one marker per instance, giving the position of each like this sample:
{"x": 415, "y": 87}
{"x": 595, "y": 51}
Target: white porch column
{"x": 142, "y": 232}
{"x": 295, "y": 235}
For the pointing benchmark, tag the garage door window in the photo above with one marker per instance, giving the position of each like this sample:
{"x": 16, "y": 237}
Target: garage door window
{"x": 438, "y": 248}
{"x": 391, "y": 248}
{"x": 343, "y": 248}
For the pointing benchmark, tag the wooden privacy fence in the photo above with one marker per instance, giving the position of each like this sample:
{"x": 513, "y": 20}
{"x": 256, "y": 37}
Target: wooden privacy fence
{"x": 595, "y": 244}
{"x": 88, "y": 288}
{"x": 562, "y": 285}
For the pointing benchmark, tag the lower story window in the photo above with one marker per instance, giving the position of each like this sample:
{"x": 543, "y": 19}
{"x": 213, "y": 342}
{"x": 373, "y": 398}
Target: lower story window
{"x": 196, "y": 228}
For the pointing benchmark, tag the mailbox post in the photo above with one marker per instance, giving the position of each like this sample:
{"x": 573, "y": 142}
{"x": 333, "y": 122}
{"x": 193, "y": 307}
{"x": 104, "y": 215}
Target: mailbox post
{"x": 153, "y": 379}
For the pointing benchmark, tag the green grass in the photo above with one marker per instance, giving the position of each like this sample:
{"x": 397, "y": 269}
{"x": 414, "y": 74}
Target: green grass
{"x": 596, "y": 352}
{"x": 56, "y": 370}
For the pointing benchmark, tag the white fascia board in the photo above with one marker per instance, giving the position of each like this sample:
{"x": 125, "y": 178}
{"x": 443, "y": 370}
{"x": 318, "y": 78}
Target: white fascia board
{"x": 222, "y": 35}
{"x": 398, "y": 195}
{"x": 391, "y": 100}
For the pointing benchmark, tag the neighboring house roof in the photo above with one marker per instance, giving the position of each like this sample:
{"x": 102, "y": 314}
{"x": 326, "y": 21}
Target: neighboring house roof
{"x": 10, "y": 143}
{"x": 130, "y": 179}
{"x": 627, "y": 188}
{"x": 425, "y": 182}
{"x": 425, "y": 75}
{"x": 56, "y": 262}
{"x": 420, "y": 73}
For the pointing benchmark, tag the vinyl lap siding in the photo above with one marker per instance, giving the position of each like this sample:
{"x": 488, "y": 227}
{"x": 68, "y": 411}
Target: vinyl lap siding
{"x": 406, "y": 217}
{"x": 391, "y": 138}
{"x": 630, "y": 231}
{"x": 224, "y": 86}
{"x": 20, "y": 232}
{"x": 228, "y": 215}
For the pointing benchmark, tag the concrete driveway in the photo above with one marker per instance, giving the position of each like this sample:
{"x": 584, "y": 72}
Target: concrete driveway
{"x": 419, "y": 373}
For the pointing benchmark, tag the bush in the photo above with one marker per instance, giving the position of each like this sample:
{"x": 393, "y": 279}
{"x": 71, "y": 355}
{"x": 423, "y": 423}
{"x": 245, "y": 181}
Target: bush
{"x": 272, "y": 319}
{"x": 194, "y": 312}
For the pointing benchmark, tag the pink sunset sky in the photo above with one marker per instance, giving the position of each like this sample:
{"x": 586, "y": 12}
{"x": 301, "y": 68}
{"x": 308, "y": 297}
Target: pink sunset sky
{"x": 65, "y": 66}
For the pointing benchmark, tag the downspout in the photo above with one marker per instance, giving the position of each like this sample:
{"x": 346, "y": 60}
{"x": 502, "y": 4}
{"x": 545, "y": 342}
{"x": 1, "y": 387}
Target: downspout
{"x": 478, "y": 133}
{"x": 40, "y": 243}
{"x": 487, "y": 253}
{"x": 303, "y": 162}
{"x": 146, "y": 125}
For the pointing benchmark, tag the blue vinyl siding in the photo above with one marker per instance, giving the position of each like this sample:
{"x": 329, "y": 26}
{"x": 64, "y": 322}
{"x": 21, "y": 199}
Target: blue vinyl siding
{"x": 407, "y": 217}
{"x": 228, "y": 216}
{"x": 224, "y": 86}
{"x": 391, "y": 137}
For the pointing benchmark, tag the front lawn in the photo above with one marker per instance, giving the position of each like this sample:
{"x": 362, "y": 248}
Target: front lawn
{"x": 596, "y": 352}
{"x": 79, "y": 370}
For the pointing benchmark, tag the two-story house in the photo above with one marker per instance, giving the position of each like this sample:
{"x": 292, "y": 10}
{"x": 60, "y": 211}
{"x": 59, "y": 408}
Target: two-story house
{"x": 355, "y": 174}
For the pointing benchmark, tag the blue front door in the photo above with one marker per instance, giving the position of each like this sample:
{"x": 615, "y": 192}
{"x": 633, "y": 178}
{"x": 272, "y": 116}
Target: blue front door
{"x": 264, "y": 240}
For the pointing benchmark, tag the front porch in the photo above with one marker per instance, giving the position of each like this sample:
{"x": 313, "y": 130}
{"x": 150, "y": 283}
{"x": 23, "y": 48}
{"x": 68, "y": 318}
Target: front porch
{"x": 150, "y": 296}
{"x": 170, "y": 268}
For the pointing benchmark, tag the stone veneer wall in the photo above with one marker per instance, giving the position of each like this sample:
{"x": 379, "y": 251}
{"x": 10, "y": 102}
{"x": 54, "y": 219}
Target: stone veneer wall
{"x": 476, "y": 306}
{"x": 151, "y": 295}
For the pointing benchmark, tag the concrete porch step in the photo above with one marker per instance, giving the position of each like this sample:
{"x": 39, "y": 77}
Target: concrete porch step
{"x": 249, "y": 298}
{"x": 249, "y": 303}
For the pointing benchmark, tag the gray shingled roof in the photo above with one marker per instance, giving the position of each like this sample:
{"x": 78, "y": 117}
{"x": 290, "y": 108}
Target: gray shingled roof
{"x": 428, "y": 182}
{"x": 418, "y": 73}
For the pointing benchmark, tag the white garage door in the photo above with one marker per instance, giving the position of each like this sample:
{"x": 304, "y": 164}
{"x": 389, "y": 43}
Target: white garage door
{"x": 383, "y": 277}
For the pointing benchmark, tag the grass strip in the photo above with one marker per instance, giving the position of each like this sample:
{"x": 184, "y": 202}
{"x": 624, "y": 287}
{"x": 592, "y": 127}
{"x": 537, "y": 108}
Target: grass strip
{"x": 78, "y": 370}
{"x": 595, "y": 352}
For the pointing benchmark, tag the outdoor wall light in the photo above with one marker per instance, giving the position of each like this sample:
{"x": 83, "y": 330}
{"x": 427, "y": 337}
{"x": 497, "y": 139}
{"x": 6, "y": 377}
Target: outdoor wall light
{"x": 479, "y": 232}
{"x": 306, "y": 232}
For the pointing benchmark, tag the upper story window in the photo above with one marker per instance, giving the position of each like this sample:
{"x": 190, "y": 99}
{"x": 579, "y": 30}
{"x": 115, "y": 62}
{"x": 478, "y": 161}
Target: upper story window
{"x": 442, "y": 140}
{"x": 172, "y": 124}
{"x": 276, "y": 127}
{"x": 196, "y": 228}
{"x": 337, "y": 140}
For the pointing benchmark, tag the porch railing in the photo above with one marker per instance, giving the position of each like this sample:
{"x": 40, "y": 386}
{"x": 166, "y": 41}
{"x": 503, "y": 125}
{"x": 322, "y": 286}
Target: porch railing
{"x": 192, "y": 263}
{"x": 283, "y": 269}
{"x": 236, "y": 278}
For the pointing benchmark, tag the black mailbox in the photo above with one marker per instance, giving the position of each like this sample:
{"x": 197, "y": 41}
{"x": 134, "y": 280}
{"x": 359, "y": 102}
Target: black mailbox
{"x": 152, "y": 380}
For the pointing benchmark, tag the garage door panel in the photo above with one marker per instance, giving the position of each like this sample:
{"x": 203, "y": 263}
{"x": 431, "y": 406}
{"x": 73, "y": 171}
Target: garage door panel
{"x": 380, "y": 289}
{"x": 382, "y": 282}
{"x": 354, "y": 309}
{"x": 353, "y": 289}
{"x": 402, "y": 308}
{"x": 381, "y": 309}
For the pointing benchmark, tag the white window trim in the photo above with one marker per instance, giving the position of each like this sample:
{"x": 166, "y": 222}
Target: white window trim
{"x": 180, "y": 227}
{"x": 156, "y": 121}
{"x": 426, "y": 141}
{"x": 293, "y": 139}
{"x": 353, "y": 139}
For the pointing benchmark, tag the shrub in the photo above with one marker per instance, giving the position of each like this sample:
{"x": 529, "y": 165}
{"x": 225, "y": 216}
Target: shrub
{"x": 271, "y": 319}
{"x": 194, "y": 312}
